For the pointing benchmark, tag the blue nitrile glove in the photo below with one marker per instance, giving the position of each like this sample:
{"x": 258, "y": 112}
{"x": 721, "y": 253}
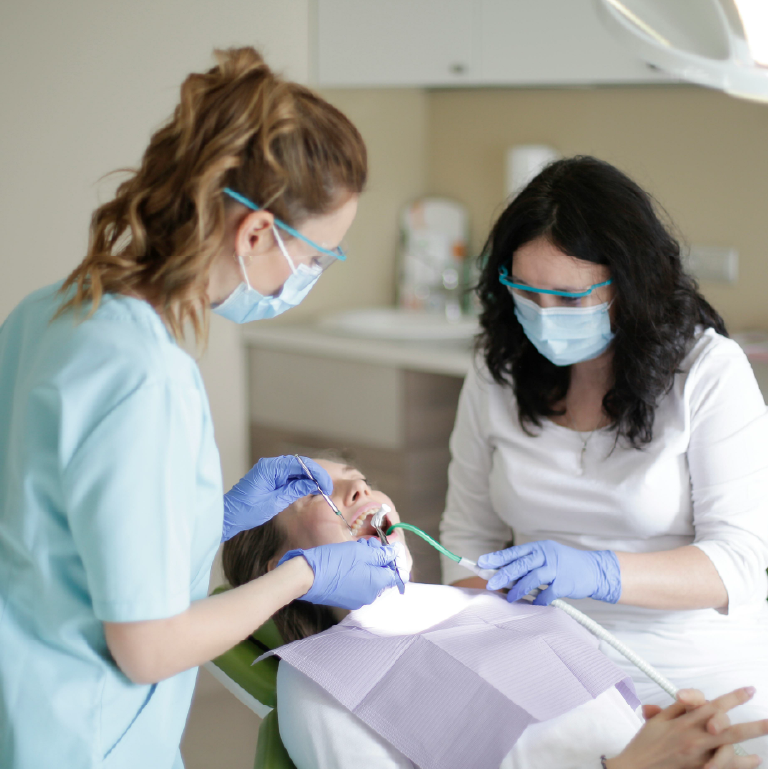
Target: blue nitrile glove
{"x": 570, "y": 573}
{"x": 348, "y": 574}
{"x": 268, "y": 488}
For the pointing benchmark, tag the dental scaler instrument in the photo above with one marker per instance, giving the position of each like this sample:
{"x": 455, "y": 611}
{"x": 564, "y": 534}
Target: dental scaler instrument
{"x": 597, "y": 630}
{"x": 322, "y": 493}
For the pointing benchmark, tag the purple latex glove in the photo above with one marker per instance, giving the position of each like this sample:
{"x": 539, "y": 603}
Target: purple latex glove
{"x": 570, "y": 573}
{"x": 348, "y": 574}
{"x": 268, "y": 488}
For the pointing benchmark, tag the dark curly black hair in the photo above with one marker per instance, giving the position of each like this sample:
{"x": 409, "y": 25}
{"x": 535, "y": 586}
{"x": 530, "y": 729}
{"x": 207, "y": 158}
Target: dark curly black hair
{"x": 590, "y": 210}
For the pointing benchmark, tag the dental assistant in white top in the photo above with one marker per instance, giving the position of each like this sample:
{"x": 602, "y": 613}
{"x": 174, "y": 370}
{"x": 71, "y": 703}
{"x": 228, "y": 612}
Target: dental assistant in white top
{"x": 614, "y": 431}
{"x": 111, "y": 505}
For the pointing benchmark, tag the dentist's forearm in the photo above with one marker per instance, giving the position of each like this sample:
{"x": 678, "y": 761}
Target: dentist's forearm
{"x": 150, "y": 651}
{"x": 684, "y": 578}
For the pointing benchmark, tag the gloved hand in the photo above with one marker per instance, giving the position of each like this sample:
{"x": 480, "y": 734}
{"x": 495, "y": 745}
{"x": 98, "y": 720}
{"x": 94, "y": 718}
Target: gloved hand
{"x": 348, "y": 574}
{"x": 268, "y": 488}
{"x": 570, "y": 573}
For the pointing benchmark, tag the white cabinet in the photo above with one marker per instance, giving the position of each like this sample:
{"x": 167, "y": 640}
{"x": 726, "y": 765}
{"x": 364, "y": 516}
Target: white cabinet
{"x": 364, "y": 43}
{"x": 395, "y": 42}
{"x": 542, "y": 42}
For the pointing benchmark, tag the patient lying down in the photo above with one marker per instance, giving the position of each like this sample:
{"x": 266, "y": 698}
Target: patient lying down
{"x": 442, "y": 677}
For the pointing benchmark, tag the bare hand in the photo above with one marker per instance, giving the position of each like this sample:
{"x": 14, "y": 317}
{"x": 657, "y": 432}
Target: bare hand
{"x": 692, "y": 734}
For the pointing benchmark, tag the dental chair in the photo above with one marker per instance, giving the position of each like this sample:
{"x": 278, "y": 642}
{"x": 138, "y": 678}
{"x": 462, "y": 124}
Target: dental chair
{"x": 256, "y": 687}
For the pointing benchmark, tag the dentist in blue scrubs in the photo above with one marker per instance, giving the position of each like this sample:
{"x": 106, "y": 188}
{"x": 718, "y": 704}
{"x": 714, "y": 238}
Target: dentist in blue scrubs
{"x": 111, "y": 505}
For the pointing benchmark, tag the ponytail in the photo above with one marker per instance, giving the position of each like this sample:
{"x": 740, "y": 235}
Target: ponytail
{"x": 238, "y": 125}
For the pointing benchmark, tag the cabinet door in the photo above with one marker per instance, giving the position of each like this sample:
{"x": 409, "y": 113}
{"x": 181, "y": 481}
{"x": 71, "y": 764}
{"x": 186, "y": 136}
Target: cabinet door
{"x": 553, "y": 42}
{"x": 395, "y": 42}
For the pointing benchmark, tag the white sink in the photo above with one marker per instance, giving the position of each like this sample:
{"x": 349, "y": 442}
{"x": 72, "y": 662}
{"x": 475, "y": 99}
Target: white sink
{"x": 395, "y": 324}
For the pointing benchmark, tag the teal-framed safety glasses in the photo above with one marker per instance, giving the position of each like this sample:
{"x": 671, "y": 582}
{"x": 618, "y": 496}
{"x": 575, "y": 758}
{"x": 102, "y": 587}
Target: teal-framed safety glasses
{"x": 324, "y": 257}
{"x": 505, "y": 280}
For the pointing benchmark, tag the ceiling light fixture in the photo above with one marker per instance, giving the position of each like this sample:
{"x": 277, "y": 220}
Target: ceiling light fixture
{"x": 720, "y": 44}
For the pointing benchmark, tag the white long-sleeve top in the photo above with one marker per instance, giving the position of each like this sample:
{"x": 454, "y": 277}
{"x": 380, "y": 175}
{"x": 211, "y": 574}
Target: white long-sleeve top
{"x": 702, "y": 481}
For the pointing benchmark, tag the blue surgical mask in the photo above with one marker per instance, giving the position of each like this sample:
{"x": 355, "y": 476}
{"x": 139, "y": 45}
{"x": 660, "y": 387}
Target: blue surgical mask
{"x": 245, "y": 303}
{"x": 565, "y": 335}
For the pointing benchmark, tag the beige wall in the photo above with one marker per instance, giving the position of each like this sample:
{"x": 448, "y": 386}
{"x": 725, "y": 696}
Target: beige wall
{"x": 704, "y": 155}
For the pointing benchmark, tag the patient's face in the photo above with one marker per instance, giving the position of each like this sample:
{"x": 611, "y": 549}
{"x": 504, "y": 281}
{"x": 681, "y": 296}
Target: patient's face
{"x": 310, "y": 522}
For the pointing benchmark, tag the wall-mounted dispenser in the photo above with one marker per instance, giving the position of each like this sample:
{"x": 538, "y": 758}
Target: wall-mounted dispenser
{"x": 524, "y": 161}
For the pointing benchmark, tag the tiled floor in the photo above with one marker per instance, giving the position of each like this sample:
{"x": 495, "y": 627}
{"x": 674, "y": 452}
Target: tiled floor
{"x": 221, "y": 731}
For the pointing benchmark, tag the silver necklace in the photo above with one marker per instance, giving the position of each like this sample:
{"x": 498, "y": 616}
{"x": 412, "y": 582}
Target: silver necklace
{"x": 584, "y": 441}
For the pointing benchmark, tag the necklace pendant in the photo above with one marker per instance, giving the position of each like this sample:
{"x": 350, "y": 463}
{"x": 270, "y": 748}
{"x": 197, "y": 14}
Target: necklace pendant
{"x": 584, "y": 441}
{"x": 581, "y": 458}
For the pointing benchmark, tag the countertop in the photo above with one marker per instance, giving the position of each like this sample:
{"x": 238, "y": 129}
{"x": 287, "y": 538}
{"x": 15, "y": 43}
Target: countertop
{"x": 449, "y": 358}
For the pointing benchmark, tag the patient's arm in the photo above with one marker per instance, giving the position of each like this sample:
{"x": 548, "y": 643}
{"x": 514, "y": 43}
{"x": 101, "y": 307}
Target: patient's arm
{"x": 688, "y": 736}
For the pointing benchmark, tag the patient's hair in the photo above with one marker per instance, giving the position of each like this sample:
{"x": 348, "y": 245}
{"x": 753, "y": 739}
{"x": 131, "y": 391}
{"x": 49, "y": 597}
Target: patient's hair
{"x": 588, "y": 209}
{"x": 247, "y": 555}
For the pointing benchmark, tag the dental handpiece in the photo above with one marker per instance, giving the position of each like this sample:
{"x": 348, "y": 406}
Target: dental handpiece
{"x": 322, "y": 493}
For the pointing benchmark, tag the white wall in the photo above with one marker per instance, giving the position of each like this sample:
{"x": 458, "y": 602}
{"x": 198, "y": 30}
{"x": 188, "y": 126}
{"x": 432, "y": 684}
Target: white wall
{"x": 83, "y": 84}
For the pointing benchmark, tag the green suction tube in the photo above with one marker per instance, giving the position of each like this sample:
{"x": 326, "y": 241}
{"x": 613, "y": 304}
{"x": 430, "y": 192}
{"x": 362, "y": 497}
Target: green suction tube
{"x": 426, "y": 538}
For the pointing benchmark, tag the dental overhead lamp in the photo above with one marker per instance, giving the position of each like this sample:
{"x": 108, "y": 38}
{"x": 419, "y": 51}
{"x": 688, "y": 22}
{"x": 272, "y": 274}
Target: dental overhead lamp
{"x": 721, "y": 44}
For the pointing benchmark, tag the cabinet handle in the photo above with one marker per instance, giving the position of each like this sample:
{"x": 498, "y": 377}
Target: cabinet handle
{"x": 458, "y": 69}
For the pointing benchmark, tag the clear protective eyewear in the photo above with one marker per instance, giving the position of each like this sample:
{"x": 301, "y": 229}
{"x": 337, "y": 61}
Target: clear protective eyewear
{"x": 324, "y": 257}
{"x": 505, "y": 280}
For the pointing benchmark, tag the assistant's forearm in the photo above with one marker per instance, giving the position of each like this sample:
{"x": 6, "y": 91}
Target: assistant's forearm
{"x": 151, "y": 651}
{"x": 684, "y": 578}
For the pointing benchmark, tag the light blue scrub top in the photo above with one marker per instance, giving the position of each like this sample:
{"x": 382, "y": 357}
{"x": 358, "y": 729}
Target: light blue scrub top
{"x": 110, "y": 510}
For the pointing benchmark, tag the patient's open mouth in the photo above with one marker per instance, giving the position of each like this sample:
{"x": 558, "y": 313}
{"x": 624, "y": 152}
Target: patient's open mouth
{"x": 361, "y": 527}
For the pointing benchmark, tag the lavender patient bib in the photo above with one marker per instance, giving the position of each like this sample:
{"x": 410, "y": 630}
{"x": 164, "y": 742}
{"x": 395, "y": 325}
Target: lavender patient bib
{"x": 451, "y": 677}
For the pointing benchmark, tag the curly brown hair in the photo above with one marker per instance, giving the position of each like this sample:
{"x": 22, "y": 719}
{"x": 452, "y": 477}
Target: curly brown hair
{"x": 238, "y": 125}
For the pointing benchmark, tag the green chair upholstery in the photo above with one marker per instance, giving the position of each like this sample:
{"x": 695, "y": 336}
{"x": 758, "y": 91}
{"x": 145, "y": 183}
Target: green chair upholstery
{"x": 270, "y": 752}
{"x": 260, "y": 681}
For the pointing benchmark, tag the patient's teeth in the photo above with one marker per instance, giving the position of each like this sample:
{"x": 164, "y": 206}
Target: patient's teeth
{"x": 358, "y": 525}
